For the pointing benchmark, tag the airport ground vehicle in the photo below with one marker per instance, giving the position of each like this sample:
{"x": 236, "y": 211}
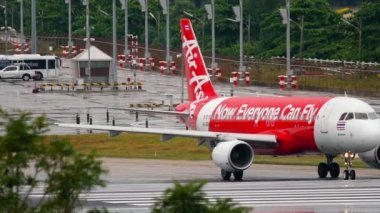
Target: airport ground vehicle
{"x": 237, "y": 128}
{"x": 47, "y": 66}
{"x": 19, "y": 71}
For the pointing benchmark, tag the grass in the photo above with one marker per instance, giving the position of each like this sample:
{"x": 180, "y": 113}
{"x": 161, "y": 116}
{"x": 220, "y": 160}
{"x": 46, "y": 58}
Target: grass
{"x": 128, "y": 145}
{"x": 138, "y": 146}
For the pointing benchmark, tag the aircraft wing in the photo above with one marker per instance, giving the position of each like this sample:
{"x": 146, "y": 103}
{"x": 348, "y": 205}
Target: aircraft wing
{"x": 166, "y": 134}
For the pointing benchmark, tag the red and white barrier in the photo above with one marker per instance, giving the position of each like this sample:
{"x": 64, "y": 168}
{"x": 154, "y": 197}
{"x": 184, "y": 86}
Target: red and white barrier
{"x": 294, "y": 81}
{"x": 235, "y": 78}
{"x": 163, "y": 67}
{"x": 218, "y": 72}
{"x": 121, "y": 60}
{"x": 173, "y": 67}
{"x": 152, "y": 64}
{"x": 143, "y": 64}
{"x": 247, "y": 79}
{"x": 24, "y": 47}
{"x": 66, "y": 51}
{"x": 283, "y": 81}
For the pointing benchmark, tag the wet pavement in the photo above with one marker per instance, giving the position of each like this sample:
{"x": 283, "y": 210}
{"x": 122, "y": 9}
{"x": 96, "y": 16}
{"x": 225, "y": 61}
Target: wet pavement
{"x": 62, "y": 106}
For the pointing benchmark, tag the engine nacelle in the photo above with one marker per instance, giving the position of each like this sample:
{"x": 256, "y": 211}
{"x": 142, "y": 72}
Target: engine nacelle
{"x": 372, "y": 157}
{"x": 233, "y": 156}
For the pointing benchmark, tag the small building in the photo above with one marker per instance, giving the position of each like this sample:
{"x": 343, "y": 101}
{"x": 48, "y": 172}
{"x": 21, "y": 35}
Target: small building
{"x": 100, "y": 64}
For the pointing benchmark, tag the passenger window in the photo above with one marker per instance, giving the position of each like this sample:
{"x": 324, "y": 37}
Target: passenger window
{"x": 361, "y": 116}
{"x": 343, "y": 116}
{"x": 350, "y": 116}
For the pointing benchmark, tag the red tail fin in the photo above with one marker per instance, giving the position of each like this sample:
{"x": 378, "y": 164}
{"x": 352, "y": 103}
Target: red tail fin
{"x": 198, "y": 81}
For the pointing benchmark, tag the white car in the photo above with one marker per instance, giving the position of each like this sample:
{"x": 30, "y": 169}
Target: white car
{"x": 19, "y": 71}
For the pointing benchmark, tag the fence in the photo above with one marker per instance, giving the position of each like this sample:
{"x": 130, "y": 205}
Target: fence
{"x": 313, "y": 74}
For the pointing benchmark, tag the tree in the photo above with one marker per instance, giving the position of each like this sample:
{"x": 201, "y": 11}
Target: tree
{"x": 320, "y": 30}
{"x": 25, "y": 156}
{"x": 189, "y": 198}
{"x": 369, "y": 17}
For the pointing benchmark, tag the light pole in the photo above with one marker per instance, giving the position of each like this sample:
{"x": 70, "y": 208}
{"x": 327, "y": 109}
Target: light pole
{"x": 11, "y": 8}
{"x": 22, "y": 40}
{"x": 124, "y": 6}
{"x": 88, "y": 44}
{"x": 359, "y": 29}
{"x": 238, "y": 10}
{"x": 157, "y": 23}
{"x": 144, "y": 8}
{"x": 34, "y": 30}
{"x": 288, "y": 70}
{"x": 5, "y": 26}
{"x": 241, "y": 67}
{"x": 165, "y": 4}
{"x": 210, "y": 8}
{"x": 114, "y": 38}
{"x": 69, "y": 42}
{"x": 285, "y": 13}
{"x": 200, "y": 21}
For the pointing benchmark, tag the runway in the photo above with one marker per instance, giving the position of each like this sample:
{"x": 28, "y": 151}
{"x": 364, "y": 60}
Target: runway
{"x": 134, "y": 185}
{"x": 272, "y": 196}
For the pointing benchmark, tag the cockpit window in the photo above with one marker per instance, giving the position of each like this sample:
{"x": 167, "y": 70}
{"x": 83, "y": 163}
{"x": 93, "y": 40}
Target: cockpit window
{"x": 343, "y": 116}
{"x": 361, "y": 116}
{"x": 349, "y": 116}
{"x": 372, "y": 116}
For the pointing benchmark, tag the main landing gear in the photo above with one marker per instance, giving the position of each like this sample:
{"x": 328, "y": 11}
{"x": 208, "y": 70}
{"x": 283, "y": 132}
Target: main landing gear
{"x": 238, "y": 176}
{"x": 349, "y": 173}
{"x": 330, "y": 166}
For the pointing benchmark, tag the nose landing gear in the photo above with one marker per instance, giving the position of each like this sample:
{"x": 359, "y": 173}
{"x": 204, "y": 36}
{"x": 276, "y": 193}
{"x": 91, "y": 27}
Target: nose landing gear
{"x": 349, "y": 173}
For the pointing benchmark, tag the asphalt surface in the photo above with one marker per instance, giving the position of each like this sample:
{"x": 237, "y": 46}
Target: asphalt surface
{"x": 62, "y": 106}
{"x": 133, "y": 185}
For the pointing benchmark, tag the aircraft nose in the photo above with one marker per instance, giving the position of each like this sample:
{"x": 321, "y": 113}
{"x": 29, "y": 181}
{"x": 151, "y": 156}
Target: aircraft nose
{"x": 370, "y": 134}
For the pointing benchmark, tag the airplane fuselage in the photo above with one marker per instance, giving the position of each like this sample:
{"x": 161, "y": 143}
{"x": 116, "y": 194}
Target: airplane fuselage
{"x": 301, "y": 124}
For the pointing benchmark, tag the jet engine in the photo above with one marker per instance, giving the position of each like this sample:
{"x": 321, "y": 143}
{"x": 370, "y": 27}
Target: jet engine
{"x": 233, "y": 156}
{"x": 372, "y": 157}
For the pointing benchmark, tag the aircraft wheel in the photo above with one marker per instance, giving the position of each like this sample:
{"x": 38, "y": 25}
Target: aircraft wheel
{"x": 334, "y": 170}
{"x": 323, "y": 170}
{"x": 225, "y": 175}
{"x": 238, "y": 176}
{"x": 346, "y": 174}
{"x": 352, "y": 175}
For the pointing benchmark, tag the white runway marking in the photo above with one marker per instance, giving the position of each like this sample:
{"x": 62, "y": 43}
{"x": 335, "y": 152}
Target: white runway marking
{"x": 249, "y": 194}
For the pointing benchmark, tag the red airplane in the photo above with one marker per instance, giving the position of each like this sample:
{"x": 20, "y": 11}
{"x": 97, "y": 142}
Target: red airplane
{"x": 236, "y": 128}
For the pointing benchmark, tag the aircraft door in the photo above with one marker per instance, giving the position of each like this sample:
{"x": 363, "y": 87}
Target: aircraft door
{"x": 325, "y": 119}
